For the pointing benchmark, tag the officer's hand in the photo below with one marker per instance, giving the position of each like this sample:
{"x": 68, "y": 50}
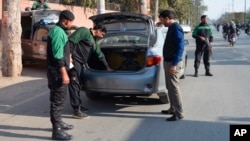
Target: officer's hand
{"x": 65, "y": 76}
{"x": 65, "y": 79}
{"x": 202, "y": 38}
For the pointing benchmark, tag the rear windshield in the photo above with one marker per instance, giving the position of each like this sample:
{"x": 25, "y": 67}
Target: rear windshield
{"x": 123, "y": 40}
{"x": 139, "y": 27}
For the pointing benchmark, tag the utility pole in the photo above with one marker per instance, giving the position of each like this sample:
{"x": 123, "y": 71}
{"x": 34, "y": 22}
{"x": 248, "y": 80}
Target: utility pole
{"x": 233, "y": 9}
{"x": 198, "y": 12}
{"x": 143, "y": 7}
{"x": 245, "y": 14}
{"x": 100, "y": 6}
{"x": 156, "y": 10}
{"x": 189, "y": 21}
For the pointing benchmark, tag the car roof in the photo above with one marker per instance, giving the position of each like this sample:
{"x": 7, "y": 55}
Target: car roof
{"x": 117, "y": 15}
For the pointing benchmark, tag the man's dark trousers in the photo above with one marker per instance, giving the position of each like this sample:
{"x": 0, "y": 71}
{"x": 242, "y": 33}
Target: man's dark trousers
{"x": 58, "y": 93}
{"x": 75, "y": 86}
{"x": 202, "y": 50}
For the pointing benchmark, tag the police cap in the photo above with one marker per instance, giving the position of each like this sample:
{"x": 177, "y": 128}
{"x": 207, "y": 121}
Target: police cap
{"x": 66, "y": 14}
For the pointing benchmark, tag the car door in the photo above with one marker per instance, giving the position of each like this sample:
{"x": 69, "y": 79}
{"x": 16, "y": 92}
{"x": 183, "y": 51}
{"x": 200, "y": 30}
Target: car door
{"x": 39, "y": 44}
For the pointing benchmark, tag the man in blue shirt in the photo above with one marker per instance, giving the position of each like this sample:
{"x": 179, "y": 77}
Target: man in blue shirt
{"x": 172, "y": 54}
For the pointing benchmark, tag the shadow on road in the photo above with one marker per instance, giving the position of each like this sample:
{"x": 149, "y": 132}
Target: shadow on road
{"x": 8, "y": 132}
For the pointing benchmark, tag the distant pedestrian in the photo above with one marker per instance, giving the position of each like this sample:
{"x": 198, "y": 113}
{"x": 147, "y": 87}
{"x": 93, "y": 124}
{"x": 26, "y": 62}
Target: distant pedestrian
{"x": 172, "y": 53}
{"x": 57, "y": 74}
{"x": 204, "y": 37}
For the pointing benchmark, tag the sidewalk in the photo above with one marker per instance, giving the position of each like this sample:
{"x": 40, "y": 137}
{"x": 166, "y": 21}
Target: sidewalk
{"x": 24, "y": 106}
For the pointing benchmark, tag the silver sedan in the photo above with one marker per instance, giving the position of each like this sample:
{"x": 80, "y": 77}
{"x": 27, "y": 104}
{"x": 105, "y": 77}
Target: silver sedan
{"x": 134, "y": 54}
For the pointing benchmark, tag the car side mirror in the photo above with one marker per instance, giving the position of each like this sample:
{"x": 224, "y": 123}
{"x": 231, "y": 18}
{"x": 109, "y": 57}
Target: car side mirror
{"x": 186, "y": 42}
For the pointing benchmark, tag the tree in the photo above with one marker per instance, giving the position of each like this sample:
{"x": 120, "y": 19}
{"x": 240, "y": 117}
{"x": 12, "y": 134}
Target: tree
{"x": 162, "y": 5}
{"x": 11, "y": 37}
{"x": 197, "y": 9}
{"x": 130, "y": 6}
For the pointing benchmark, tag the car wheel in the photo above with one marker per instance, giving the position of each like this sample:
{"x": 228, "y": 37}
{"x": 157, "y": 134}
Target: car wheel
{"x": 93, "y": 96}
{"x": 164, "y": 99}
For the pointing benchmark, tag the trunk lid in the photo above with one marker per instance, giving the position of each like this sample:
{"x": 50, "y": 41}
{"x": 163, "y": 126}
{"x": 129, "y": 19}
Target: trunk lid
{"x": 118, "y": 22}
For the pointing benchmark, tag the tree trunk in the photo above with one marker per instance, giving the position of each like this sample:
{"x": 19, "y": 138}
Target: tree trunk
{"x": 11, "y": 38}
{"x": 143, "y": 7}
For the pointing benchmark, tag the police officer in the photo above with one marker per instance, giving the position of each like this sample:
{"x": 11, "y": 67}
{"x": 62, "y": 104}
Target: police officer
{"x": 203, "y": 36}
{"x": 84, "y": 34}
{"x": 58, "y": 62}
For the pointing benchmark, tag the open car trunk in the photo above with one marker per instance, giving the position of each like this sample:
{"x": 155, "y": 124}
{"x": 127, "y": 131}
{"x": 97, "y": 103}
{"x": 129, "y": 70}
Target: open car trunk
{"x": 123, "y": 52}
{"x": 120, "y": 59}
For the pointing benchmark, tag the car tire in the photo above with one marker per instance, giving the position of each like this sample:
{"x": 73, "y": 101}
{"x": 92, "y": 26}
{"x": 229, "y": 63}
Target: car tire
{"x": 93, "y": 96}
{"x": 164, "y": 99}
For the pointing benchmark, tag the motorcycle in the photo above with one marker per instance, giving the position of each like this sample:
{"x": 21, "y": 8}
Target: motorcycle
{"x": 224, "y": 35}
{"x": 247, "y": 32}
{"x": 232, "y": 39}
{"x": 238, "y": 32}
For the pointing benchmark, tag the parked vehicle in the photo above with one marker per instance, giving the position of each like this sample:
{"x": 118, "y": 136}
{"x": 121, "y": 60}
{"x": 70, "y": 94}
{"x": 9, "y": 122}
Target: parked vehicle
{"x": 186, "y": 28}
{"x": 35, "y": 28}
{"x": 133, "y": 49}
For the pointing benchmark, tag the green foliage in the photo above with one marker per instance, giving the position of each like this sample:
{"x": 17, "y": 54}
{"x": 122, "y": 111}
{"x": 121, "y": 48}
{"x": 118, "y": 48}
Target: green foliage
{"x": 185, "y": 10}
{"x": 84, "y": 3}
{"x": 163, "y": 5}
{"x": 172, "y": 3}
{"x": 130, "y": 6}
{"x": 89, "y": 3}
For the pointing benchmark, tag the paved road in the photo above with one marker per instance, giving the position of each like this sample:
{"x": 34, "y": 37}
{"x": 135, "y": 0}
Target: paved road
{"x": 211, "y": 104}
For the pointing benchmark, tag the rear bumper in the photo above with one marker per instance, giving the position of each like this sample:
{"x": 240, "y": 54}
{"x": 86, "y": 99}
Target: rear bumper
{"x": 121, "y": 82}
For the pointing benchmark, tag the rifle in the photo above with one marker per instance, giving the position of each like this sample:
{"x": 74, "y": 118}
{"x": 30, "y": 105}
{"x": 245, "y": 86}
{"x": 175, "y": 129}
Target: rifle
{"x": 209, "y": 47}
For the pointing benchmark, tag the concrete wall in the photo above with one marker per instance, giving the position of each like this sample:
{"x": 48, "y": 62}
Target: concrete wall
{"x": 81, "y": 14}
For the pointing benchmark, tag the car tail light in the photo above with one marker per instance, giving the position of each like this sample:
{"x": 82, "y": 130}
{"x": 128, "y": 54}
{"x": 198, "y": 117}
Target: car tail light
{"x": 153, "y": 60}
{"x": 150, "y": 86}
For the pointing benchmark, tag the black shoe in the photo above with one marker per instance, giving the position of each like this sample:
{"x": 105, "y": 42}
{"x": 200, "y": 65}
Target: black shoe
{"x": 195, "y": 74}
{"x": 84, "y": 109}
{"x": 168, "y": 112}
{"x": 66, "y": 126}
{"x": 175, "y": 118}
{"x": 208, "y": 74}
{"x": 78, "y": 114}
{"x": 59, "y": 134}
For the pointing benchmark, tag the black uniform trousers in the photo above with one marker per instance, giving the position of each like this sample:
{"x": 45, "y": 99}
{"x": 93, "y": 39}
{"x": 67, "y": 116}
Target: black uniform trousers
{"x": 75, "y": 86}
{"x": 206, "y": 52}
{"x": 58, "y": 93}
